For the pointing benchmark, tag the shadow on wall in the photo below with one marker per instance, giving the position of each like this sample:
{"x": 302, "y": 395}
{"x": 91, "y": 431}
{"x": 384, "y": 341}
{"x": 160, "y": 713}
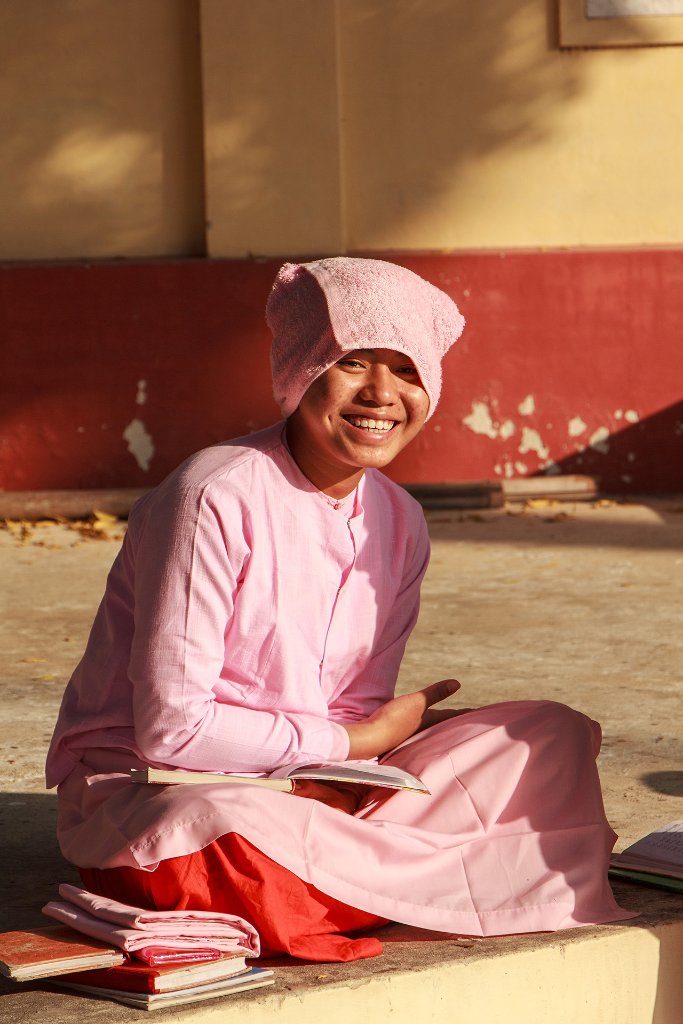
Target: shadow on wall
{"x": 468, "y": 82}
{"x": 651, "y": 448}
{"x": 109, "y": 131}
{"x": 31, "y": 864}
{"x": 102, "y": 147}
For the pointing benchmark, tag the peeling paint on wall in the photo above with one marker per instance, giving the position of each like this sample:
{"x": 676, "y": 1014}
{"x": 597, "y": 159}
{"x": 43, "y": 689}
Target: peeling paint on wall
{"x": 487, "y": 420}
{"x": 141, "y": 396}
{"x": 531, "y": 442}
{"x": 577, "y": 427}
{"x": 598, "y": 441}
{"x": 140, "y": 444}
{"x": 479, "y": 420}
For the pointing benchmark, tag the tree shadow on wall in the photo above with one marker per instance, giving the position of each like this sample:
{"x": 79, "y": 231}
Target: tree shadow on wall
{"x": 465, "y": 81}
{"x": 102, "y": 150}
{"x": 468, "y": 81}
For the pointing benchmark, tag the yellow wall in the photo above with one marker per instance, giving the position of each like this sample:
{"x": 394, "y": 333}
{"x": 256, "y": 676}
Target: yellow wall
{"x": 101, "y": 154}
{"x": 328, "y": 126}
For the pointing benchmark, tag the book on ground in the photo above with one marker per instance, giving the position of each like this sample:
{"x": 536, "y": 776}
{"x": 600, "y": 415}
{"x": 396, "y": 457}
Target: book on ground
{"x": 253, "y": 977}
{"x": 656, "y": 858}
{"x": 365, "y": 773}
{"x": 136, "y": 976}
{"x": 56, "y": 949}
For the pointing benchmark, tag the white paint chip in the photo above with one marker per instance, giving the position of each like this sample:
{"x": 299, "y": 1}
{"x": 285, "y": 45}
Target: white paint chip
{"x": 140, "y": 444}
{"x": 531, "y": 442}
{"x": 479, "y": 420}
{"x": 527, "y": 407}
{"x": 141, "y": 396}
{"x": 631, "y": 456}
{"x": 507, "y": 429}
{"x": 598, "y": 440}
{"x": 577, "y": 427}
{"x": 631, "y": 416}
{"x": 521, "y": 468}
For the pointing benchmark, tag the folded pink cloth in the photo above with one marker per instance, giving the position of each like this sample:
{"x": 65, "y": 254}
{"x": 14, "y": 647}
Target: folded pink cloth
{"x": 133, "y": 928}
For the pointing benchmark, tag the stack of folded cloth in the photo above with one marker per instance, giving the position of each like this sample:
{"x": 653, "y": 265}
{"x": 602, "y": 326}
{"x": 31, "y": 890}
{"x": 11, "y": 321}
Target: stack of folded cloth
{"x": 146, "y": 934}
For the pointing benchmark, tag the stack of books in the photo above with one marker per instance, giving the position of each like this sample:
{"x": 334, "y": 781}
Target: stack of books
{"x": 73, "y": 961}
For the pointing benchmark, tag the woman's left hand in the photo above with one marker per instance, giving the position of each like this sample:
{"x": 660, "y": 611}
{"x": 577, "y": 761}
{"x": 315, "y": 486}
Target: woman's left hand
{"x": 342, "y": 799}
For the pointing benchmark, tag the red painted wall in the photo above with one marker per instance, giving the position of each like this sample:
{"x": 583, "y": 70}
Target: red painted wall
{"x": 561, "y": 349}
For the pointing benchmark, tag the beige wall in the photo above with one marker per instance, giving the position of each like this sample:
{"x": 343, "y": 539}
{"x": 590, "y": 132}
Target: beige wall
{"x": 101, "y": 154}
{"x": 328, "y": 125}
{"x": 469, "y": 128}
{"x": 272, "y": 127}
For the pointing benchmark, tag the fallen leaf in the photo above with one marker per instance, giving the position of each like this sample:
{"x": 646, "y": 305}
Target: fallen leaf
{"x": 106, "y": 518}
{"x": 541, "y": 503}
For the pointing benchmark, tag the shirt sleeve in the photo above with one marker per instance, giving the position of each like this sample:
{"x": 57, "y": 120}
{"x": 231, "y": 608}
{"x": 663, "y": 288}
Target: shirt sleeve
{"x": 374, "y": 685}
{"x": 189, "y": 559}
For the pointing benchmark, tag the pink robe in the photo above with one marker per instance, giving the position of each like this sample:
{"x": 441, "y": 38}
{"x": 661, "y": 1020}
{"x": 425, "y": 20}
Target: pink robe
{"x": 243, "y": 621}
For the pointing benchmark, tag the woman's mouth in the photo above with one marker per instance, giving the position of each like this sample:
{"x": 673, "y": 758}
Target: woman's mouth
{"x": 379, "y": 426}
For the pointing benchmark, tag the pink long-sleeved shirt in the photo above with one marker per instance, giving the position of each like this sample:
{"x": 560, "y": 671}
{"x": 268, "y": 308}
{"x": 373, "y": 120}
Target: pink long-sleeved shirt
{"x": 245, "y": 618}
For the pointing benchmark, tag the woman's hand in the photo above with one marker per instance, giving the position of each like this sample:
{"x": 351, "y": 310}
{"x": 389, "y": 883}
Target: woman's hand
{"x": 398, "y": 719}
{"x": 342, "y": 798}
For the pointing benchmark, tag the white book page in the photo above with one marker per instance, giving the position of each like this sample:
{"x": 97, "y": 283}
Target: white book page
{"x": 664, "y": 845}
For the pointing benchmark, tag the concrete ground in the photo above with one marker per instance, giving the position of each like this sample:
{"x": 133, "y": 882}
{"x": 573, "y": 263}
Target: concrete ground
{"x": 576, "y": 602}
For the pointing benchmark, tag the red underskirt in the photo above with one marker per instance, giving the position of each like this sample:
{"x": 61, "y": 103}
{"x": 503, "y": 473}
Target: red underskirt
{"x": 233, "y": 877}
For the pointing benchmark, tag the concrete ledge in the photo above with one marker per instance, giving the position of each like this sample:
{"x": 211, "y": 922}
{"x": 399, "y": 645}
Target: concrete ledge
{"x": 618, "y": 974}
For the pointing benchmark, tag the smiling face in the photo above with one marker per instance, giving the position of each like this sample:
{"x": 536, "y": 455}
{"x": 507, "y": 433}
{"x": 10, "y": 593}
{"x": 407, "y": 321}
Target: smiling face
{"x": 359, "y": 414}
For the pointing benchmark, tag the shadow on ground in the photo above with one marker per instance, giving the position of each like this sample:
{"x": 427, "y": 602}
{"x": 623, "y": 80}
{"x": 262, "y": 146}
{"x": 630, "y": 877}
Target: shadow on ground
{"x": 656, "y": 524}
{"x": 670, "y": 783}
{"x": 31, "y": 864}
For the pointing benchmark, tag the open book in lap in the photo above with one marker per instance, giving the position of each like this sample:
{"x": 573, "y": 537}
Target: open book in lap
{"x": 366, "y": 773}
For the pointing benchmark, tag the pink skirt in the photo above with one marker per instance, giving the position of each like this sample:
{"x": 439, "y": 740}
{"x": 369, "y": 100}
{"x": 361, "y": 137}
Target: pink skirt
{"x": 512, "y": 839}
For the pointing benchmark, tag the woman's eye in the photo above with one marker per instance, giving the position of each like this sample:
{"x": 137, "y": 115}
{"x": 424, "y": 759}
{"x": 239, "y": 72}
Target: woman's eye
{"x": 407, "y": 371}
{"x": 355, "y": 363}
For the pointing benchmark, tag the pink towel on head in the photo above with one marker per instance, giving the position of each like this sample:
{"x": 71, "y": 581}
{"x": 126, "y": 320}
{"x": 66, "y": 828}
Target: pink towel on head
{"x": 133, "y": 928}
{"x": 318, "y": 311}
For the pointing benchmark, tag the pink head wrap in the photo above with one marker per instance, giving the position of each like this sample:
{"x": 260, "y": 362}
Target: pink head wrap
{"x": 318, "y": 311}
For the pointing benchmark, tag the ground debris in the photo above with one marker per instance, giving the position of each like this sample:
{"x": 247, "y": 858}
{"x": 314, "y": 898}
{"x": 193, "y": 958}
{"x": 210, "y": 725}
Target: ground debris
{"x": 542, "y": 503}
{"x": 97, "y": 526}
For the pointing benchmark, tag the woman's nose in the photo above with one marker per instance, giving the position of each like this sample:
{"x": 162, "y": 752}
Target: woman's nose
{"x": 380, "y": 386}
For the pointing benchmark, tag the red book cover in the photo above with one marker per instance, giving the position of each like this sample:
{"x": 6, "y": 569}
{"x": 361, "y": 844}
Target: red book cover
{"x": 135, "y": 976}
{"x": 55, "y": 949}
